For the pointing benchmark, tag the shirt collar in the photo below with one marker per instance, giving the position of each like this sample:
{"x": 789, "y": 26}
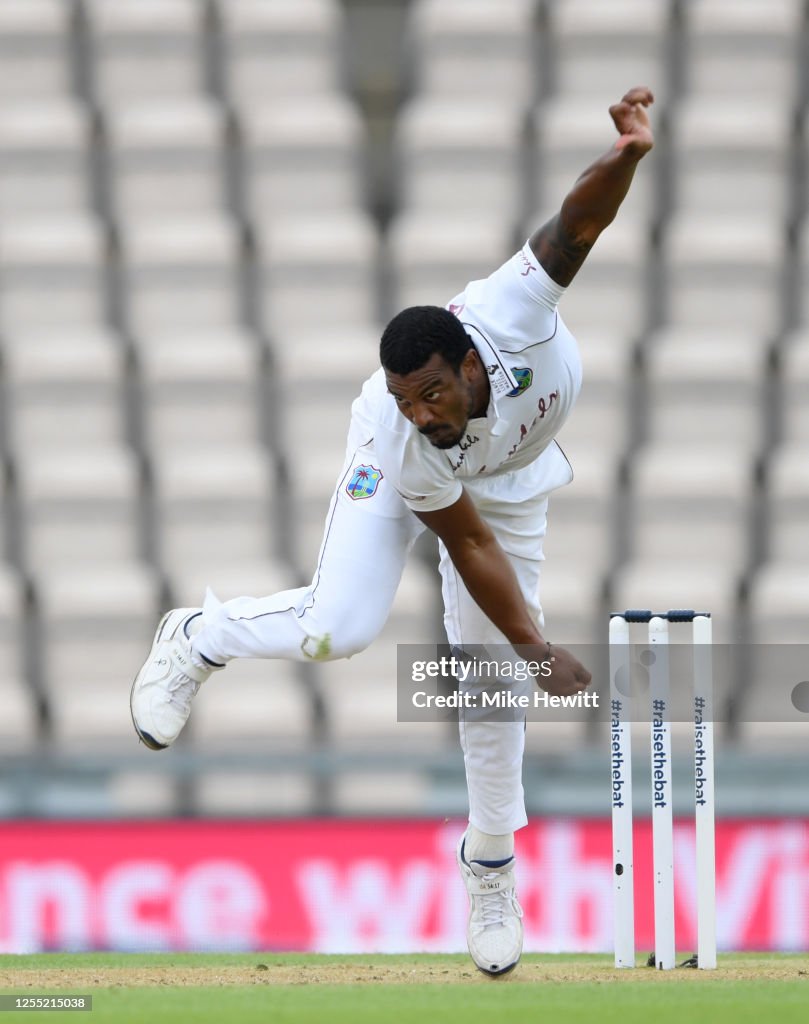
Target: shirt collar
{"x": 501, "y": 380}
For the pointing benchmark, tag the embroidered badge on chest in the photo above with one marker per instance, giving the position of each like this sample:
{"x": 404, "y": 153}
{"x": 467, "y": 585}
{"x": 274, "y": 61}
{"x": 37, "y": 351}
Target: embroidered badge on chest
{"x": 524, "y": 376}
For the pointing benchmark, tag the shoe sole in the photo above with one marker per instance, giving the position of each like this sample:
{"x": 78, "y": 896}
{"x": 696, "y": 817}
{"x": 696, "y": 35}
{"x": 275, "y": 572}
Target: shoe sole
{"x": 145, "y": 738}
{"x": 496, "y": 974}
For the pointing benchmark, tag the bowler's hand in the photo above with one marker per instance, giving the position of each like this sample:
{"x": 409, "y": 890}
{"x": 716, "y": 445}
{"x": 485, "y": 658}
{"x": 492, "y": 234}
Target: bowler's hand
{"x": 632, "y": 121}
{"x": 561, "y": 674}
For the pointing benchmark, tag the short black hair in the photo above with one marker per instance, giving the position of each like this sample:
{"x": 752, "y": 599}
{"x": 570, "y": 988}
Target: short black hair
{"x": 417, "y": 333}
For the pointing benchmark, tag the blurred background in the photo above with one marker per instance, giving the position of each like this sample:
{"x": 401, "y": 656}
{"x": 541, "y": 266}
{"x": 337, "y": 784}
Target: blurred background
{"x": 208, "y": 211}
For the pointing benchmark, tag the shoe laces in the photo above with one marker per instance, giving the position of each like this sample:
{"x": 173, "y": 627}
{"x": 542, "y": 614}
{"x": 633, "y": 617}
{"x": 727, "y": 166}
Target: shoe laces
{"x": 181, "y": 691}
{"x": 495, "y": 906}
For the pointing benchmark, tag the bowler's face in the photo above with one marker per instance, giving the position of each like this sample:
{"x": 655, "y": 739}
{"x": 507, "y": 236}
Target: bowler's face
{"x": 436, "y": 400}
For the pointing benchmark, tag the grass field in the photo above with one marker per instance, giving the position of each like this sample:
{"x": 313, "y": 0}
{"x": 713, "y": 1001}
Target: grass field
{"x": 268, "y": 987}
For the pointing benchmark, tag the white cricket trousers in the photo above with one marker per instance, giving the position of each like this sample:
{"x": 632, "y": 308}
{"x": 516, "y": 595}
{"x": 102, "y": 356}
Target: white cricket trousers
{"x": 321, "y": 622}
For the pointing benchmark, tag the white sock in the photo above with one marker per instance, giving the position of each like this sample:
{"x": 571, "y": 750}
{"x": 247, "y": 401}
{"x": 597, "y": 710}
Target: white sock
{"x": 483, "y": 846}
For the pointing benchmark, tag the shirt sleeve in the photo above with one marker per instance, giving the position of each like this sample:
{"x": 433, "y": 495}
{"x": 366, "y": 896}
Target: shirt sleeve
{"x": 535, "y": 280}
{"x": 516, "y": 305}
{"x": 420, "y": 473}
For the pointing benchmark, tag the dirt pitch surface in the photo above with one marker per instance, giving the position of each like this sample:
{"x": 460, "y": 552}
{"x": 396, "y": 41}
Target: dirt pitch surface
{"x": 265, "y": 972}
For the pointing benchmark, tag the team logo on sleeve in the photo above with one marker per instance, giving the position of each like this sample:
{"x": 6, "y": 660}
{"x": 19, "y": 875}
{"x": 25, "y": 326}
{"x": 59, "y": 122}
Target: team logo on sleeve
{"x": 524, "y": 376}
{"x": 364, "y": 482}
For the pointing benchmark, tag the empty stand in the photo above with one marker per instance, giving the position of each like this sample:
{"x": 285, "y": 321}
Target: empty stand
{"x": 45, "y": 156}
{"x": 317, "y": 271}
{"x": 200, "y": 389}
{"x": 453, "y": 156}
{"x": 732, "y": 156}
{"x": 79, "y": 506}
{"x": 794, "y": 376}
{"x": 692, "y": 502}
{"x": 473, "y": 48}
{"x": 274, "y": 50}
{"x": 181, "y": 272}
{"x": 725, "y": 272}
{"x": 706, "y": 387}
{"x": 145, "y": 48}
{"x": 64, "y": 386}
{"x": 52, "y": 271}
{"x": 166, "y": 155}
{"x": 35, "y": 48}
{"x": 94, "y": 627}
{"x": 432, "y": 258}
{"x": 304, "y": 153}
{"x": 213, "y": 504}
{"x": 736, "y": 49}
{"x": 603, "y": 49}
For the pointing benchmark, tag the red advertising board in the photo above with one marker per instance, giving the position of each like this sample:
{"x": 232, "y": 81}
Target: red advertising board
{"x": 361, "y": 886}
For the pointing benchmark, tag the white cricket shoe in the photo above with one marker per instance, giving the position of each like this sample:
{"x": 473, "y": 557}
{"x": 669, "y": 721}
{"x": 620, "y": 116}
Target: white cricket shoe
{"x": 494, "y": 931}
{"x": 161, "y": 695}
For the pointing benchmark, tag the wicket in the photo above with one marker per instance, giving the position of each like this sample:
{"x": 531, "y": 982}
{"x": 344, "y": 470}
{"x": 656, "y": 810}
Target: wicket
{"x": 662, "y": 786}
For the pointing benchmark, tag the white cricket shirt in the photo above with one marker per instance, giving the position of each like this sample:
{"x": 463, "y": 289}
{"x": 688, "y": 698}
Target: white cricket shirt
{"x": 535, "y": 376}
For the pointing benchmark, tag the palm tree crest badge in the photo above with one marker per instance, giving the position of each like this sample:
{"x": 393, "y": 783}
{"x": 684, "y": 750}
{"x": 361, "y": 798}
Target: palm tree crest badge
{"x": 364, "y": 482}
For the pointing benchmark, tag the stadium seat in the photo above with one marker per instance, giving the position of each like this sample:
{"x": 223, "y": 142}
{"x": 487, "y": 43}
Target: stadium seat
{"x": 64, "y": 386}
{"x": 794, "y": 387}
{"x": 35, "y": 49}
{"x": 602, "y": 50}
{"x": 453, "y": 156}
{"x": 52, "y": 272}
{"x": 78, "y": 506}
{"x": 200, "y": 390}
{"x": 181, "y": 272}
{"x": 432, "y": 258}
{"x": 331, "y": 361}
{"x": 94, "y": 629}
{"x": 706, "y": 387}
{"x": 45, "y": 147}
{"x": 165, "y": 155}
{"x": 724, "y": 272}
{"x": 737, "y": 49}
{"x": 582, "y": 516}
{"x": 281, "y": 48}
{"x": 803, "y": 273}
{"x": 571, "y": 586}
{"x": 732, "y": 157}
{"x": 302, "y": 154}
{"x": 482, "y": 48}
{"x": 143, "y": 48}
{"x": 786, "y": 474}
{"x": 605, "y": 411}
{"x": 213, "y": 504}
{"x": 691, "y": 502}
{"x": 254, "y": 701}
{"x": 778, "y": 600}
{"x": 317, "y": 271}
{"x": 19, "y": 721}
